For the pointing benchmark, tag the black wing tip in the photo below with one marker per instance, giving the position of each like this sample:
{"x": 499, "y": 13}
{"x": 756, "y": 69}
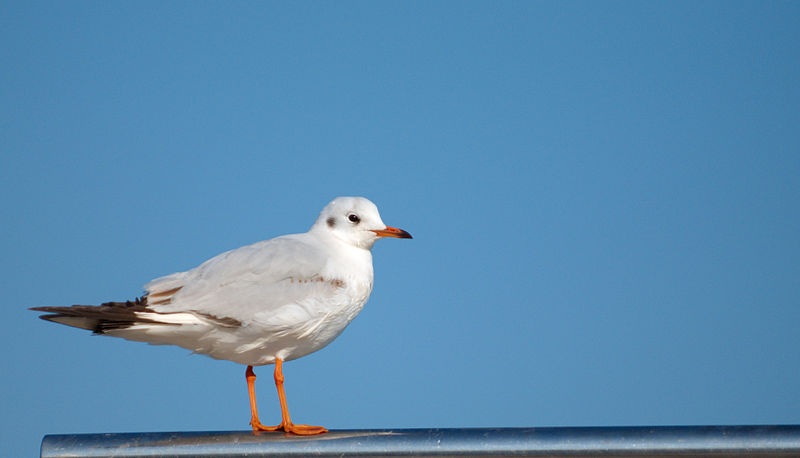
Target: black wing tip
{"x": 42, "y": 309}
{"x": 96, "y": 318}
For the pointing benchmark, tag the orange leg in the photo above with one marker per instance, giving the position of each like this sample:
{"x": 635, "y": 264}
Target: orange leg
{"x": 286, "y": 422}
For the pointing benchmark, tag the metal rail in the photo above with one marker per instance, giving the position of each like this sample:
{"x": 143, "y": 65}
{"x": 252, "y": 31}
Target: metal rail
{"x": 654, "y": 441}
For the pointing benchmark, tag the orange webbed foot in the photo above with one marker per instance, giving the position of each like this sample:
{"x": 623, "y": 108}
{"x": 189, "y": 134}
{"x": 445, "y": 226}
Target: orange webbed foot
{"x": 305, "y": 430}
{"x": 290, "y": 428}
{"x": 286, "y": 423}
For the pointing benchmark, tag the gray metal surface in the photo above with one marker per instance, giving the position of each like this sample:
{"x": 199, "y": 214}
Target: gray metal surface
{"x": 720, "y": 441}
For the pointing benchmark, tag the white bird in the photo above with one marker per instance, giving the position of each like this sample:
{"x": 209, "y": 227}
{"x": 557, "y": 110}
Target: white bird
{"x": 269, "y": 302}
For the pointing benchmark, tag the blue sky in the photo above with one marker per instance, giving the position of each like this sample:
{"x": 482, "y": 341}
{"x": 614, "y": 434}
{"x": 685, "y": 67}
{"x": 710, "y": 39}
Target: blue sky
{"x": 604, "y": 198}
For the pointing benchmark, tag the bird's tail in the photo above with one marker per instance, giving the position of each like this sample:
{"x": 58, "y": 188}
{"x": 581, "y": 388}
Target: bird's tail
{"x": 98, "y": 318}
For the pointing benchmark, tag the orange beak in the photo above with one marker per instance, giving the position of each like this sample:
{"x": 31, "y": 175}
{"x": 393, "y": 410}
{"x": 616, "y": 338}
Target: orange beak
{"x": 393, "y": 232}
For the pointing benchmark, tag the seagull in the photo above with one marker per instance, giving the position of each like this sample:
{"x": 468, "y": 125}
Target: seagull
{"x": 273, "y": 301}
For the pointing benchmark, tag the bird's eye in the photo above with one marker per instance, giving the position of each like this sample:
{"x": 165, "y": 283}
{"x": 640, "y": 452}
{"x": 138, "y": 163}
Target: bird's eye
{"x": 353, "y": 218}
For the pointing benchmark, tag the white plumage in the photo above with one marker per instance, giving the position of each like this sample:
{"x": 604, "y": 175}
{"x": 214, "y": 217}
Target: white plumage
{"x": 289, "y": 296}
{"x": 272, "y": 301}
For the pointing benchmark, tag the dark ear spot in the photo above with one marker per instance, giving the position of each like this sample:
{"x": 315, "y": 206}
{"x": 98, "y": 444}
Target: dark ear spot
{"x": 331, "y": 222}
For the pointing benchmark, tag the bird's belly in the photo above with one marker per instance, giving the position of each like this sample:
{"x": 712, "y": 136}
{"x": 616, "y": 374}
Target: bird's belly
{"x": 258, "y": 344}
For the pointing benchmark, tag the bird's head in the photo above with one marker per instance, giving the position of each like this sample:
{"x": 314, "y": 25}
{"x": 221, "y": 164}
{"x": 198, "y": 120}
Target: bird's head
{"x": 356, "y": 221}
